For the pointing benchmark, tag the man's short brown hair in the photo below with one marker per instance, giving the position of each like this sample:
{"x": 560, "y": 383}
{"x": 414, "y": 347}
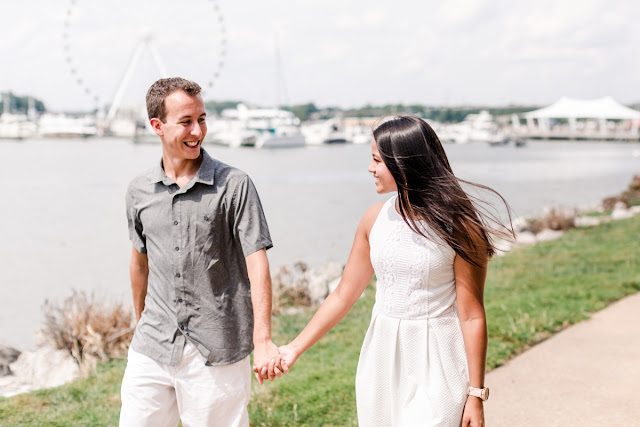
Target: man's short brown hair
{"x": 161, "y": 89}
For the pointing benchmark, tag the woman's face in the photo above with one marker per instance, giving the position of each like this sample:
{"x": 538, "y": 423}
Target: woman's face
{"x": 383, "y": 179}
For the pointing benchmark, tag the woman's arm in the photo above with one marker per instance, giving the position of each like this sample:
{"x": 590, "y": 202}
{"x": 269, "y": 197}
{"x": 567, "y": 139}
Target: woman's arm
{"x": 470, "y": 296}
{"x": 355, "y": 278}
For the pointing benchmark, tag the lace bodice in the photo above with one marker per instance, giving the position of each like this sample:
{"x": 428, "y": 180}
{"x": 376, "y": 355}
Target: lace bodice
{"x": 415, "y": 274}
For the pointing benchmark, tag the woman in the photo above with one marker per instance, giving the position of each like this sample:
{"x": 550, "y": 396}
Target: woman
{"x": 429, "y": 247}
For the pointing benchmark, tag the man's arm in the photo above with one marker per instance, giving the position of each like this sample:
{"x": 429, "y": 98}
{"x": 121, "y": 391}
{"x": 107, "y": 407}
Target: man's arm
{"x": 139, "y": 271}
{"x": 265, "y": 351}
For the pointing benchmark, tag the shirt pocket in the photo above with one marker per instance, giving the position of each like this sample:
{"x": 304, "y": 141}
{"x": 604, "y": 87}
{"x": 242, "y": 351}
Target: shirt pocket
{"x": 209, "y": 237}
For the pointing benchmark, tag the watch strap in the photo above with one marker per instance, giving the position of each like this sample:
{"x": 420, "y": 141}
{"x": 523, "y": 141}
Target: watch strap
{"x": 482, "y": 393}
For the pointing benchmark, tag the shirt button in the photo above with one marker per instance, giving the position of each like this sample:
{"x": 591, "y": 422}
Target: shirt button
{"x": 181, "y": 326}
{"x": 206, "y": 218}
{"x": 177, "y": 248}
{"x": 175, "y": 222}
{"x": 177, "y": 274}
{"x": 179, "y": 300}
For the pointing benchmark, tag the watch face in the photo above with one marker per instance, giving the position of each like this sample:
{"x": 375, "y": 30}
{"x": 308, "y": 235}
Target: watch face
{"x": 485, "y": 393}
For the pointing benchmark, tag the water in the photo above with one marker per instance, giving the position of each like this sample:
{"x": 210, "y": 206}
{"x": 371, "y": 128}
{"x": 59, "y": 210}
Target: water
{"x": 64, "y": 226}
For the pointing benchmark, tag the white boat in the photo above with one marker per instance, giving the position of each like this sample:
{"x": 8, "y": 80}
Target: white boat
{"x": 67, "y": 126}
{"x": 320, "y": 132}
{"x": 231, "y": 132}
{"x": 359, "y": 130}
{"x": 281, "y": 137}
{"x": 16, "y": 126}
{"x": 257, "y": 127}
{"x": 475, "y": 128}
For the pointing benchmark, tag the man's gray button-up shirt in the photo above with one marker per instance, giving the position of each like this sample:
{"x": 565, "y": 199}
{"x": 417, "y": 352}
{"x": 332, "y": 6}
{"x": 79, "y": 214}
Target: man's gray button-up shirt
{"x": 196, "y": 239}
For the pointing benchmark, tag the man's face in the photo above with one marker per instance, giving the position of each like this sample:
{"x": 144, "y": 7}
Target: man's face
{"x": 184, "y": 127}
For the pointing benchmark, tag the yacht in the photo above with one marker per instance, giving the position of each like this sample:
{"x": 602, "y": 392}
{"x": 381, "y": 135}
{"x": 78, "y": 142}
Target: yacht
{"x": 475, "y": 128}
{"x": 67, "y": 126}
{"x": 359, "y": 130}
{"x": 255, "y": 127}
{"x": 319, "y": 132}
{"x": 16, "y": 126}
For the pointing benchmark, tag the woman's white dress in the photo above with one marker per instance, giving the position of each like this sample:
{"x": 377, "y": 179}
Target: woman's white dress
{"x": 413, "y": 367}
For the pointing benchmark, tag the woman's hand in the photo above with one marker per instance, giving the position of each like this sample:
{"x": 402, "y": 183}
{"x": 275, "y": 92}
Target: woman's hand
{"x": 288, "y": 356}
{"x": 473, "y": 415}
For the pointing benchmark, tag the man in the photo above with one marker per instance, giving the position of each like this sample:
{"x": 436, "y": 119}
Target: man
{"x": 199, "y": 276}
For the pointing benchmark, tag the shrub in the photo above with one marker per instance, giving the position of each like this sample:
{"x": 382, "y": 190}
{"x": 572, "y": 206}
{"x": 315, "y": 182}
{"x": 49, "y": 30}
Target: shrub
{"x": 554, "y": 220}
{"x": 88, "y": 328}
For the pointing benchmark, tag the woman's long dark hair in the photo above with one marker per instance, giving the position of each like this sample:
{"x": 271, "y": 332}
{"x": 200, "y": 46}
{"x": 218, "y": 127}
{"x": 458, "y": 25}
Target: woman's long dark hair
{"x": 429, "y": 191}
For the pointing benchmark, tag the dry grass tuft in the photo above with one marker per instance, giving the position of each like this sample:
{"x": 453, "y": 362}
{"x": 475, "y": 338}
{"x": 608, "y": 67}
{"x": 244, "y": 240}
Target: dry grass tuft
{"x": 88, "y": 328}
{"x": 554, "y": 220}
{"x": 631, "y": 197}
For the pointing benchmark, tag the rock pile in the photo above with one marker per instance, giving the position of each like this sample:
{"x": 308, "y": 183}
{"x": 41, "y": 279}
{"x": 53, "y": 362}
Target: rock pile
{"x": 555, "y": 222}
{"x": 298, "y": 286}
{"x": 44, "y": 368}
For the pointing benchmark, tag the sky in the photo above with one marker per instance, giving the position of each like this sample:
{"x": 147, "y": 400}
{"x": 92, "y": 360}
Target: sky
{"x": 332, "y": 52}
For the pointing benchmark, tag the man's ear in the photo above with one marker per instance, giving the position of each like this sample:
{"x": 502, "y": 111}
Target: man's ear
{"x": 156, "y": 124}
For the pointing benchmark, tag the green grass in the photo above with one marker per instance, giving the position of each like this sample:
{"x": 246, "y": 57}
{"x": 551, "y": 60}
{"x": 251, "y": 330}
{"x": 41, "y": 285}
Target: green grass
{"x": 535, "y": 292}
{"x": 530, "y": 294}
{"x": 598, "y": 214}
{"x": 92, "y": 401}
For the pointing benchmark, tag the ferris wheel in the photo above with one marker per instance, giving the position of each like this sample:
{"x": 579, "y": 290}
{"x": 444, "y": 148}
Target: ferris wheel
{"x": 181, "y": 39}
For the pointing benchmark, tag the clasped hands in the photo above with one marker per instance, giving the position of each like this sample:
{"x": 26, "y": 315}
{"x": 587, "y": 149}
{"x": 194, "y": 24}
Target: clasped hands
{"x": 270, "y": 363}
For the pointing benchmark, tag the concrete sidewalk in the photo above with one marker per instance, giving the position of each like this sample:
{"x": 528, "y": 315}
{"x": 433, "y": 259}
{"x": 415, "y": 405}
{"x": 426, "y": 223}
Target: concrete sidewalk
{"x": 586, "y": 375}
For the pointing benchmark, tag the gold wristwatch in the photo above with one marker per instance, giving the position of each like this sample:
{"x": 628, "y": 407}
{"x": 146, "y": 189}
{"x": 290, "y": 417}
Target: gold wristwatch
{"x": 482, "y": 393}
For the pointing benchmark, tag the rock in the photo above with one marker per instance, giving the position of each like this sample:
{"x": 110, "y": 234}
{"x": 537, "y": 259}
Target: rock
{"x": 547, "y": 235}
{"x": 318, "y": 281}
{"x": 332, "y": 270}
{"x": 635, "y": 210}
{"x": 308, "y": 285}
{"x": 587, "y": 221}
{"x": 502, "y": 246}
{"x": 290, "y": 277}
{"x": 317, "y": 288}
{"x": 10, "y": 386}
{"x": 44, "y": 368}
{"x": 8, "y": 355}
{"x": 609, "y": 203}
{"x": 293, "y": 310}
{"x": 520, "y": 224}
{"x": 334, "y": 284}
{"x": 620, "y": 206}
{"x": 525, "y": 238}
{"x": 621, "y": 213}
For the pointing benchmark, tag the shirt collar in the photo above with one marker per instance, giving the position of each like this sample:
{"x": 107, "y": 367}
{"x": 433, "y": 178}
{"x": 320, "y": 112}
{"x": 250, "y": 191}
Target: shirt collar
{"x": 204, "y": 175}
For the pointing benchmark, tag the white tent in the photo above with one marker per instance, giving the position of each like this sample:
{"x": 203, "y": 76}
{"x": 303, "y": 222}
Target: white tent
{"x": 572, "y": 110}
{"x": 601, "y": 108}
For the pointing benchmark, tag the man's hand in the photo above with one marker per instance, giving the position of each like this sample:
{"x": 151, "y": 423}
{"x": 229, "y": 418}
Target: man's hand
{"x": 265, "y": 358}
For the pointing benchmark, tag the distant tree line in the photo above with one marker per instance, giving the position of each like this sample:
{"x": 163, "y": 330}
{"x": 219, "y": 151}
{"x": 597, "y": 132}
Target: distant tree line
{"x": 218, "y": 106}
{"x": 20, "y": 104}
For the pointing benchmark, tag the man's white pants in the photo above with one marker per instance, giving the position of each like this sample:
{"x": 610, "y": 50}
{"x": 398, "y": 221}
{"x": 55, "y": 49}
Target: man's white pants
{"x": 154, "y": 394}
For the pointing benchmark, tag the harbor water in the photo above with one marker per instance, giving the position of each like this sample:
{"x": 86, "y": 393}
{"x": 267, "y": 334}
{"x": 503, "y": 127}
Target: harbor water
{"x": 63, "y": 224}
